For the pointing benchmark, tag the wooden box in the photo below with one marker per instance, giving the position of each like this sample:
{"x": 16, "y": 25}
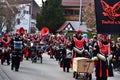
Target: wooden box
{"x": 83, "y": 65}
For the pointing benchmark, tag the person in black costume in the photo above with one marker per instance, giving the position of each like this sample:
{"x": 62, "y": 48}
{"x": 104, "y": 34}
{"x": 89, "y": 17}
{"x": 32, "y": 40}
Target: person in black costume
{"x": 103, "y": 67}
{"x": 17, "y": 48}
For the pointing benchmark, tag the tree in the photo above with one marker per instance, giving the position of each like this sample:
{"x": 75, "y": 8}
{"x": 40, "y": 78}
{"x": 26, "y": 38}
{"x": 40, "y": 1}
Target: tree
{"x": 89, "y": 16}
{"x": 7, "y": 15}
{"x": 51, "y": 16}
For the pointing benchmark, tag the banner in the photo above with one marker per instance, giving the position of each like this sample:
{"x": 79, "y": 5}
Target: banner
{"x": 107, "y": 16}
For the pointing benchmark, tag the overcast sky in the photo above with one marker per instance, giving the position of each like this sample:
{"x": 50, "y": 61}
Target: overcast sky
{"x": 39, "y": 2}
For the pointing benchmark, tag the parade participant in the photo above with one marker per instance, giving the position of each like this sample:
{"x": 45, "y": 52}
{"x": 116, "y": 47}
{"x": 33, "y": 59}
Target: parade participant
{"x": 94, "y": 40}
{"x": 33, "y": 52}
{"x": 26, "y": 39}
{"x": 86, "y": 39}
{"x": 1, "y": 47}
{"x": 68, "y": 54}
{"x": 103, "y": 65}
{"x": 79, "y": 44}
{"x": 6, "y": 48}
{"x": 116, "y": 51}
{"x": 63, "y": 62}
{"x": 79, "y": 47}
{"x": 17, "y": 52}
{"x": 40, "y": 50}
{"x": 95, "y": 46}
{"x": 51, "y": 43}
{"x": 117, "y": 57}
{"x": 67, "y": 59}
{"x": 61, "y": 41}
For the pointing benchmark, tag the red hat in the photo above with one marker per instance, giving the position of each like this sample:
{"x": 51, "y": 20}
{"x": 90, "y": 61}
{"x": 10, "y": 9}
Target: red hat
{"x": 105, "y": 36}
{"x": 78, "y": 31}
{"x": 5, "y": 35}
{"x": 22, "y": 30}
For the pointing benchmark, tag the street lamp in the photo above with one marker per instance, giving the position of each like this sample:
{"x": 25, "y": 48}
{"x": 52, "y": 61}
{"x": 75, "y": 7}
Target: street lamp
{"x": 43, "y": 2}
{"x": 80, "y": 14}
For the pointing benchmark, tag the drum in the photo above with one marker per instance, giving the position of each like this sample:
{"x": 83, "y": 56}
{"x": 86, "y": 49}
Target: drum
{"x": 18, "y": 45}
{"x": 69, "y": 54}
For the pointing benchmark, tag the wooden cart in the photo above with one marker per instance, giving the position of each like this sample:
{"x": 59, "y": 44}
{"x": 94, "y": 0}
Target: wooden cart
{"x": 83, "y": 67}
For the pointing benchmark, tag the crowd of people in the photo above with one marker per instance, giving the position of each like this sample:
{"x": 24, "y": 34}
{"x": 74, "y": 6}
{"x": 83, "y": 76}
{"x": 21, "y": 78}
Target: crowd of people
{"x": 100, "y": 49}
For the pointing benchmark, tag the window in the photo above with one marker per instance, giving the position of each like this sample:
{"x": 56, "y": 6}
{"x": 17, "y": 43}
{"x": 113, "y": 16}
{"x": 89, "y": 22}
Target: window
{"x": 18, "y": 21}
{"x": 71, "y": 12}
{"x": 26, "y": 12}
{"x": 68, "y": 12}
{"x": 76, "y": 12}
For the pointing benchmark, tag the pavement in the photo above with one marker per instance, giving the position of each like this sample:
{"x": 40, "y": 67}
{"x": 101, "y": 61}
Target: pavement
{"x": 37, "y": 71}
{"x": 3, "y": 75}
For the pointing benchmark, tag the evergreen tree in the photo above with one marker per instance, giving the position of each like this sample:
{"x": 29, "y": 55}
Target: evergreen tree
{"x": 51, "y": 16}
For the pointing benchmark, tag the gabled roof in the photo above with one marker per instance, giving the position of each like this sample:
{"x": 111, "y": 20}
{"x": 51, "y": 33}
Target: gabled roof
{"x": 19, "y": 1}
{"x": 74, "y": 25}
{"x": 65, "y": 26}
{"x": 74, "y": 2}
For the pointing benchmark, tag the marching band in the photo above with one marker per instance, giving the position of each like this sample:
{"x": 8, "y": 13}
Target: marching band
{"x": 32, "y": 46}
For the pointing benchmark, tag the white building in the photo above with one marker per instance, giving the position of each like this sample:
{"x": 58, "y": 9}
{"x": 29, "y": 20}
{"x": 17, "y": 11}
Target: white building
{"x": 27, "y": 16}
{"x": 24, "y": 17}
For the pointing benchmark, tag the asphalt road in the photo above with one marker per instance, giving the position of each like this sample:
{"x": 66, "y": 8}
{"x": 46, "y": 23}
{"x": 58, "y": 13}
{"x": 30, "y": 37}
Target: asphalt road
{"x": 48, "y": 70}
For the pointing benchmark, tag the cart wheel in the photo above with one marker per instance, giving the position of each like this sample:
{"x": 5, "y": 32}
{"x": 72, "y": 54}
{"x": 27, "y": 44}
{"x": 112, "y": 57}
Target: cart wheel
{"x": 73, "y": 74}
{"x": 85, "y": 78}
{"x": 76, "y": 75}
{"x": 88, "y": 77}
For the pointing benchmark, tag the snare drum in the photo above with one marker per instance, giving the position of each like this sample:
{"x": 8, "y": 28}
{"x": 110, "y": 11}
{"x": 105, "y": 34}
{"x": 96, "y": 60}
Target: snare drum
{"x": 18, "y": 45}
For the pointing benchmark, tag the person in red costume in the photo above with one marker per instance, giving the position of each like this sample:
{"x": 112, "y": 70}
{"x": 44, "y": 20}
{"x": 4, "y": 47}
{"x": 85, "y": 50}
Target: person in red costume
{"x": 1, "y": 46}
{"x": 79, "y": 45}
{"x": 79, "y": 48}
{"x": 52, "y": 43}
{"x": 103, "y": 67}
{"x": 6, "y": 48}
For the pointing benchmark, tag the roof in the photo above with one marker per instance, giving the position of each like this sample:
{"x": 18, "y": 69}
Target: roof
{"x": 64, "y": 26}
{"x": 19, "y": 1}
{"x": 75, "y": 25}
{"x": 35, "y": 8}
{"x": 74, "y": 2}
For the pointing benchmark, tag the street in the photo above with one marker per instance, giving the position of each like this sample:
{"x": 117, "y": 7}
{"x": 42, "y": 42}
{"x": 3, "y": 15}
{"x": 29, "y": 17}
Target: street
{"x": 48, "y": 70}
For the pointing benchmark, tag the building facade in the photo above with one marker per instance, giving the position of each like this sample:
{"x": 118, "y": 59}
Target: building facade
{"x": 72, "y": 14}
{"x": 72, "y": 8}
{"x": 26, "y": 16}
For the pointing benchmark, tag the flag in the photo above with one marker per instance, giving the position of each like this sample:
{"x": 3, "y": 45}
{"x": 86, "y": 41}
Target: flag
{"x": 107, "y": 16}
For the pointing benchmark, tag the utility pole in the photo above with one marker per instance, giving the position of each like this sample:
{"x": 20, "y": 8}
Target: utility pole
{"x": 30, "y": 17}
{"x": 80, "y": 14}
